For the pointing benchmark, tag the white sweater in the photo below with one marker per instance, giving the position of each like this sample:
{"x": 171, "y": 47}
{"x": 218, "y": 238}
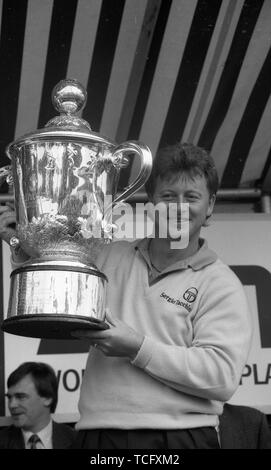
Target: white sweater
{"x": 197, "y": 329}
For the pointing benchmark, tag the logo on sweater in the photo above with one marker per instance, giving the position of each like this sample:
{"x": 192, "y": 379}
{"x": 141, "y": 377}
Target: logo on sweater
{"x": 175, "y": 301}
{"x": 190, "y": 294}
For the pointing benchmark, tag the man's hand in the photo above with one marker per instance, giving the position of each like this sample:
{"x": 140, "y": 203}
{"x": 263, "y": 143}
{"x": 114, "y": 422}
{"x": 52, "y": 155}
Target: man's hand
{"x": 7, "y": 219}
{"x": 118, "y": 340}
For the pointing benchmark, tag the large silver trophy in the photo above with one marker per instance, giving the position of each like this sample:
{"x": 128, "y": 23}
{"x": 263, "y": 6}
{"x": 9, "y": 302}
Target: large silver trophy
{"x": 65, "y": 180}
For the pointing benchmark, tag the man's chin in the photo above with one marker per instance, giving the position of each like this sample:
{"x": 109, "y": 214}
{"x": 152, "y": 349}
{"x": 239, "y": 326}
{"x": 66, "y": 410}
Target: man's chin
{"x": 174, "y": 236}
{"x": 174, "y": 239}
{"x": 18, "y": 421}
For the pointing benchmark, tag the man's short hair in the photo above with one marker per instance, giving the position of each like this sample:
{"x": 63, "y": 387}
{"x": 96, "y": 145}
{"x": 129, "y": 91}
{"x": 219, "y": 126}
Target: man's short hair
{"x": 43, "y": 376}
{"x": 187, "y": 158}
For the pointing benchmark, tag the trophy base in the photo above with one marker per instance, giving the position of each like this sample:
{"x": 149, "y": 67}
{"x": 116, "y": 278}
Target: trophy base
{"x": 50, "y": 326}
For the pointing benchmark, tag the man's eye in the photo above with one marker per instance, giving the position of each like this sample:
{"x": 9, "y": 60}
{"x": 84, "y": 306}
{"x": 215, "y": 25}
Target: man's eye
{"x": 18, "y": 396}
{"x": 192, "y": 197}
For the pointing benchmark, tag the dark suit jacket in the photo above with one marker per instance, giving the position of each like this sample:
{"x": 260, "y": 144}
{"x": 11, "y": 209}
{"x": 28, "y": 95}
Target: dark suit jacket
{"x": 12, "y": 437}
{"x": 242, "y": 427}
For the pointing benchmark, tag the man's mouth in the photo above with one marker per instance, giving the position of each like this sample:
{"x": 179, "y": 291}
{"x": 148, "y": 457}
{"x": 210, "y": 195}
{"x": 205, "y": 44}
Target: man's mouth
{"x": 179, "y": 220}
{"x": 16, "y": 415}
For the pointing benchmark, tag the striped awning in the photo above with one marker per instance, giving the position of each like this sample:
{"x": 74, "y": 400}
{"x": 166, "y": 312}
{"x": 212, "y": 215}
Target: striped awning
{"x": 160, "y": 71}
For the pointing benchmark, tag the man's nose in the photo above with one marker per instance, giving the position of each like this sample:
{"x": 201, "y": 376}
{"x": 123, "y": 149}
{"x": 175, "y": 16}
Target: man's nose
{"x": 182, "y": 209}
{"x": 180, "y": 200}
{"x": 12, "y": 402}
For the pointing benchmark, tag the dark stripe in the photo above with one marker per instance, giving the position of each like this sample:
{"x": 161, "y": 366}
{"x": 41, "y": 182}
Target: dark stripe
{"x": 103, "y": 55}
{"x": 62, "y": 23}
{"x": 188, "y": 76}
{"x": 266, "y": 172}
{"x": 145, "y": 87}
{"x": 11, "y": 52}
{"x": 233, "y": 65}
{"x": 143, "y": 95}
{"x": 247, "y": 129}
{"x": 2, "y": 348}
{"x": 142, "y": 55}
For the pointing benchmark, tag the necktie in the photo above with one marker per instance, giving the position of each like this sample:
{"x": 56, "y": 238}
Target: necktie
{"x": 33, "y": 440}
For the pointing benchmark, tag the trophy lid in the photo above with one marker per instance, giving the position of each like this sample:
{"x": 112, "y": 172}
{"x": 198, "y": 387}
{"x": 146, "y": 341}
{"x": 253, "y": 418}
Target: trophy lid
{"x": 69, "y": 97}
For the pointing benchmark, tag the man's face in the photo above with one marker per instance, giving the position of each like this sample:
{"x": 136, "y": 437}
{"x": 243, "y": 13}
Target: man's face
{"x": 186, "y": 189}
{"x": 29, "y": 411}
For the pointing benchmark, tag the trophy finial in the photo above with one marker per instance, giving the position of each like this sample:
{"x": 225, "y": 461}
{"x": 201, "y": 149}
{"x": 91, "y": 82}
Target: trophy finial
{"x": 69, "y": 96}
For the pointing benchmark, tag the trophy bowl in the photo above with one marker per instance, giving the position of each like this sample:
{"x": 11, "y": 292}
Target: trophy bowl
{"x": 65, "y": 181}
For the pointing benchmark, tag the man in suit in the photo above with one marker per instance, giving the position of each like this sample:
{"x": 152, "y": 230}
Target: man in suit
{"x": 32, "y": 397}
{"x": 243, "y": 427}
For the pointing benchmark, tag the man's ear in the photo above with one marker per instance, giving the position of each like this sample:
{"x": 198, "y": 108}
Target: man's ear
{"x": 210, "y": 210}
{"x": 47, "y": 402}
{"x": 211, "y": 205}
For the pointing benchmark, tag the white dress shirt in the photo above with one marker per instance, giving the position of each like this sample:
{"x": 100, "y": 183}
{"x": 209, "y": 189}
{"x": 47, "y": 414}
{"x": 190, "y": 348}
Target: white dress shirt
{"x": 45, "y": 435}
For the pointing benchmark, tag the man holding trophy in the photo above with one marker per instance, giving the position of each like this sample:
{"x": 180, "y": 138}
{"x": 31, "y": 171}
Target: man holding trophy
{"x": 176, "y": 333}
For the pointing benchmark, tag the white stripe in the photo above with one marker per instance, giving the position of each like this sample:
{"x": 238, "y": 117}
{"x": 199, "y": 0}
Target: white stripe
{"x": 37, "y": 30}
{"x": 259, "y": 149}
{"x": 254, "y": 59}
{"x": 126, "y": 50}
{"x": 212, "y": 69}
{"x": 83, "y": 39}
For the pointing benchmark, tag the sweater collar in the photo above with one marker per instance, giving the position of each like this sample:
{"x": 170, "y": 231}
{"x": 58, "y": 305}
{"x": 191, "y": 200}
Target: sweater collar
{"x": 203, "y": 257}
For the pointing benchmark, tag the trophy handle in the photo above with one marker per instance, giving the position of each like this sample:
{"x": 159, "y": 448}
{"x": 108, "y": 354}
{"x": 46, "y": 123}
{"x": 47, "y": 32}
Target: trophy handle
{"x": 145, "y": 156}
{"x": 6, "y": 175}
{"x": 120, "y": 160}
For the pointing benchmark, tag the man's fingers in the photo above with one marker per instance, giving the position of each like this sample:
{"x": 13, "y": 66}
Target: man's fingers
{"x": 6, "y": 231}
{"x": 11, "y": 205}
{"x": 89, "y": 334}
{"x": 4, "y": 209}
{"x": 7, "y": 217}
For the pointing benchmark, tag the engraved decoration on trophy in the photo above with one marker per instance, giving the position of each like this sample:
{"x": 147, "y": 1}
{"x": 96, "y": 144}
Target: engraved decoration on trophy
{"x": 65, "y": 179}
